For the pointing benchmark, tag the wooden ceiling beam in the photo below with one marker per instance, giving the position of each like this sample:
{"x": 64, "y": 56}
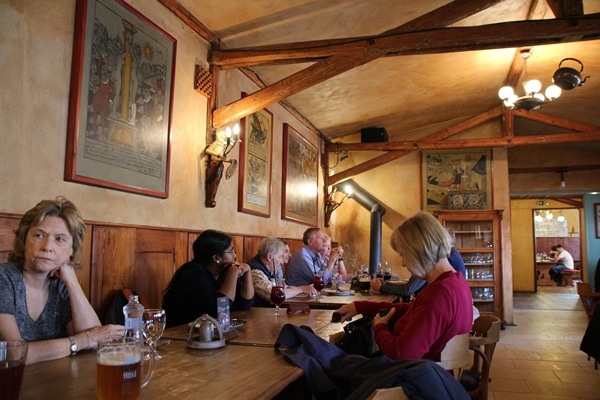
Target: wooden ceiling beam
{"x": 553, "y": 120}
{"x": 588, "y": 136}
{"x": 431, "y": 41}
{"x": 333, "y": 66}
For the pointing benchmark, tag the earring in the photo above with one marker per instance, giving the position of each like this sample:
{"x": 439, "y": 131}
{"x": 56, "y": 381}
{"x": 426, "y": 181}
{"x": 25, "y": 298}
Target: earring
{"x": 218, "y": 262}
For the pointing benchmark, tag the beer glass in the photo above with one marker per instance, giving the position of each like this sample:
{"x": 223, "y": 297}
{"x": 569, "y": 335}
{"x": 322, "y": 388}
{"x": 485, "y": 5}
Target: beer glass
{"x": 13, "y": 356}
{"x": 119, "y": 373}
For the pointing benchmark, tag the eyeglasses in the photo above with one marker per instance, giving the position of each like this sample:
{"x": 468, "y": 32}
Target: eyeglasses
{"x": 230, "y": 251}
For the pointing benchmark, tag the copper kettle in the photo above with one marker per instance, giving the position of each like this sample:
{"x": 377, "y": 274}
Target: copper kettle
{"x": 568, "y": 78}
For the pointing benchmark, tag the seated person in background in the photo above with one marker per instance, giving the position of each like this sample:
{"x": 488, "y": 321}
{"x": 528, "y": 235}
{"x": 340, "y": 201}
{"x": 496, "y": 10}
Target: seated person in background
{"x": 306, "y": 261}
{"x": 287, "y": 254}
{"x": 414, "y": 284}
{"x": 564, "y": 260}
{"x": 212, "y": 273}
{"x": 266, "y": 267}
{"x": 442, "y": 310}
{"x": 332, "y": 258}
{"x": 41, "y": 300}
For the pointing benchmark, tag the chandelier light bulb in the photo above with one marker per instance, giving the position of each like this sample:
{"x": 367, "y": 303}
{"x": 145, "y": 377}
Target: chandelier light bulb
{"x": 506, "y": 92}
{"x": 549, "y": 215}
{"x": 236, "y": 128}
{"x": 538, "y": 218}
{"x": 228, "y": 132}
{"x": 561, "y": 218}
{"x": 532, "y": 87}
{"x": 553, "y": 92}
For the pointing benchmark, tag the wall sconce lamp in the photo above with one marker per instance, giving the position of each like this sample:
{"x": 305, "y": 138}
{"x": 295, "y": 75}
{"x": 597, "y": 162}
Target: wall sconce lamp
{"x": 331, "y": 204}
{"x": 217, "y": 152}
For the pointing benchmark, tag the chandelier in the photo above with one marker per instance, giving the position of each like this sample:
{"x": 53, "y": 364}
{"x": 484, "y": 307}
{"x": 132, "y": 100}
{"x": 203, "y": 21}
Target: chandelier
{"x": 533, "y": 98}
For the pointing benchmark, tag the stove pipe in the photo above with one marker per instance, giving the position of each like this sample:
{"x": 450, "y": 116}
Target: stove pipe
{"x": 377, "y": 210}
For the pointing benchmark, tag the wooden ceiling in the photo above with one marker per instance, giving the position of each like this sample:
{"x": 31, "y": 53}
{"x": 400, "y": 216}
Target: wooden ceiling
{"x": 340, "y": 66}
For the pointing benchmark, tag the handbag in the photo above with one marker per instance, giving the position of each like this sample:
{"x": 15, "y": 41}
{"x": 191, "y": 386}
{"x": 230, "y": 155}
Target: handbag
{"x": 359, "y": 338}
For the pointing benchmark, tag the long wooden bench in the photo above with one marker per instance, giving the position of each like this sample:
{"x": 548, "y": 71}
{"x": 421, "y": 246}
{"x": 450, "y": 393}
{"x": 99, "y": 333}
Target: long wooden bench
{"x": 142, "y": 258}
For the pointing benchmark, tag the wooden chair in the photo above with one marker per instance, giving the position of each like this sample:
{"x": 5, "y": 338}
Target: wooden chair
{"x": 455, "y": 355}
{"x": 588, "y": 297}
{"x": 486, "y": 333}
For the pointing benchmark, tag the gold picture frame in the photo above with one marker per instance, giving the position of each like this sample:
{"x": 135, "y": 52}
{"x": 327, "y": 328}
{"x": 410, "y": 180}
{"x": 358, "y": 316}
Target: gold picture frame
{"x": 254, "y": 180}
{"x": 300, "y": 178}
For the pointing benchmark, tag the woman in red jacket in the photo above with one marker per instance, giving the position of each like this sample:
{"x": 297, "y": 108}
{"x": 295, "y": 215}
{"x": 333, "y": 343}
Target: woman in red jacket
{"x": 442, "y": 310}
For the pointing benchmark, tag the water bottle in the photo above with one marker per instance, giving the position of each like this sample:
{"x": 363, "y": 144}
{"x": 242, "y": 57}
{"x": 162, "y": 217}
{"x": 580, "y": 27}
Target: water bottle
{"x": 134, "y": 312}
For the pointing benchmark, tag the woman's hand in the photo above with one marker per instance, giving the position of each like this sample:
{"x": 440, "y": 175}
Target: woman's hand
{"x": 385, "y": 319}
{"x": 66, "y": 273}
{"x": 104, "y": 332}
{"x": 376, "y": 284}
{"x": 347, "y": 311}
{"x": 243, "y": 268}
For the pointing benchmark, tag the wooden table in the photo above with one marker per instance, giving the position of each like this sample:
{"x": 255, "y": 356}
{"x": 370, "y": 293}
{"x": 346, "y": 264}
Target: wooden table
{"x": 543, "y": 267}
{"x": 247, "y": 367}
{"x": 333, "y": 302}
{"x": 262, "y": 327}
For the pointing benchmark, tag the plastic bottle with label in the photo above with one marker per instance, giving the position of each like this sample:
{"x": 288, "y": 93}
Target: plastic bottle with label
{"x": 134, "y": 312}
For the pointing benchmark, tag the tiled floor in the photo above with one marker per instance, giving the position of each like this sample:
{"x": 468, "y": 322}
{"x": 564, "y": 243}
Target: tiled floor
{"x": 539, "y": 357}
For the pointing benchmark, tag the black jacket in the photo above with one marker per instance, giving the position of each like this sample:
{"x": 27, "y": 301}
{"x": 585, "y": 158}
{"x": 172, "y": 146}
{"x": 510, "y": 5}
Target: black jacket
{"x": 333, "y": 374}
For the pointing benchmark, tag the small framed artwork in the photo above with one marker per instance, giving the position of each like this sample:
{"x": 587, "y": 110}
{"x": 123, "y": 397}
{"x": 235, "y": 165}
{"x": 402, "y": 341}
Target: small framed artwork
{"x": 118, "y": 129}
{"x": 597, "y": 219}
{"x": 456, "y": 180}
{"x": 300, "y": 178}
{"x": 254, "y": 181}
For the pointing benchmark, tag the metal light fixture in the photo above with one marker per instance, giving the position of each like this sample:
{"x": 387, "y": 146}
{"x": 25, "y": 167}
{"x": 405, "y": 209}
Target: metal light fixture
{"x": 532, "y": 99}
{"x": 331, "y": 204}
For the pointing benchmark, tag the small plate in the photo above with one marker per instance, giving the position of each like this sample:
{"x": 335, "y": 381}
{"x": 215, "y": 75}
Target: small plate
{"x": 333, "y": 292}
{"x": 234, "y": 323}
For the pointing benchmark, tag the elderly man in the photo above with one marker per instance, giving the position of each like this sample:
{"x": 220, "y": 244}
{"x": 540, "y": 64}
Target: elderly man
{"x": 305, "y": 262}
{"x": 266, "y": 267}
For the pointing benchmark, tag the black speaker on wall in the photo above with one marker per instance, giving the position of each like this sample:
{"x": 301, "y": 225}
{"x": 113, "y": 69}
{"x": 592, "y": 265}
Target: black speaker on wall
{"x": 373, "y": 135}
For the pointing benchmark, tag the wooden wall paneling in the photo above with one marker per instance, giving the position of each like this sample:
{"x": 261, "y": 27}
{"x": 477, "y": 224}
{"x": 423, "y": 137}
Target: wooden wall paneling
{"x": 7, "y": 236}
{"x": 84, "y": 273}
{"x": 238, "y": 245}
{"x": 155, "y": 262}
{"x": 113, "y": 261}
{"x": 571, "y": 244}
{"x": 251, "y": 244}
{"x": 192, "y": 236}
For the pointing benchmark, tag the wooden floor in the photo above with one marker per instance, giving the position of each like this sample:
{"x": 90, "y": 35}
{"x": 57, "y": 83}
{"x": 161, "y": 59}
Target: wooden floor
{"x": 539, "y": 357}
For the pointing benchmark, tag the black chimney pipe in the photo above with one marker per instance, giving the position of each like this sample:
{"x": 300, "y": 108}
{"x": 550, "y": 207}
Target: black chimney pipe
{"x": 377, "y": 210}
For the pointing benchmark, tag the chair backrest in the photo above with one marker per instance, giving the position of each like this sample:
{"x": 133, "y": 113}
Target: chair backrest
{"x": 585, "y": 292}
{"x": 455, "y": 355}
{"x": 486, "y": 333}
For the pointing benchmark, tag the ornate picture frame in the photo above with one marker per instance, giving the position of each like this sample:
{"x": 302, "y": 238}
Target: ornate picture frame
{"x": 120, "y": 103}
{"x": 254, "y": 180}
{"x": 299, "y": 191}
{"x": 456, "y": 180}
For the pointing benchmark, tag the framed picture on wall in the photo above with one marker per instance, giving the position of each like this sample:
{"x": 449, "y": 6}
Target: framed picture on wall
{"x": 254, "y": 181}
{"x": 456, "y": 179}
{"x": 597, "y": 219}
{"x": 300, "y": 178}
{"x": 118, "y": 129}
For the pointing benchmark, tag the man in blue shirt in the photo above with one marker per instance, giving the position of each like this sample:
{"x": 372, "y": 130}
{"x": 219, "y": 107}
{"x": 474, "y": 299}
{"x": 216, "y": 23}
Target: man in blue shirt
{"x": 305, "y": 262}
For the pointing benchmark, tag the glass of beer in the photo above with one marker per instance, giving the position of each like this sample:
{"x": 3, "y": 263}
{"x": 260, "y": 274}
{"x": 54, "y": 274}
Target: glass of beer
{"x": 119, "y": 373}
{"x": 13, "y": 356}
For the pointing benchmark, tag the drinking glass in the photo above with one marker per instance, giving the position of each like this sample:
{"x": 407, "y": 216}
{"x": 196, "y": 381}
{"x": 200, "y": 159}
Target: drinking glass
{"x": 13, "y": 356}
{"x": 119, "y": 369}
{"x": 278, "y": 295}
{"x": 319, "y": 283}
{"x": 154, "y": 325}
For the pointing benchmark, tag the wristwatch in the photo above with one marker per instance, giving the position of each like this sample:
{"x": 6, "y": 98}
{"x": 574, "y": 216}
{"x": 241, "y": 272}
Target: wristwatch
{"x": 73, "y": 347}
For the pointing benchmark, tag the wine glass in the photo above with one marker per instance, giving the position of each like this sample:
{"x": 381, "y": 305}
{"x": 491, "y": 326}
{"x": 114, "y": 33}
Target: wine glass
{"x": 277, "y": 295}
{"x": 154, "y": 320}
{"x": 319, "y": 283}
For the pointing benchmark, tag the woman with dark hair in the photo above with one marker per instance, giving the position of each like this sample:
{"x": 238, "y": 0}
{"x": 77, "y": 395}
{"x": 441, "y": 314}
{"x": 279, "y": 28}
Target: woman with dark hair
{"x": 212, "y": 273}
{"x": 41, "y": 300}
